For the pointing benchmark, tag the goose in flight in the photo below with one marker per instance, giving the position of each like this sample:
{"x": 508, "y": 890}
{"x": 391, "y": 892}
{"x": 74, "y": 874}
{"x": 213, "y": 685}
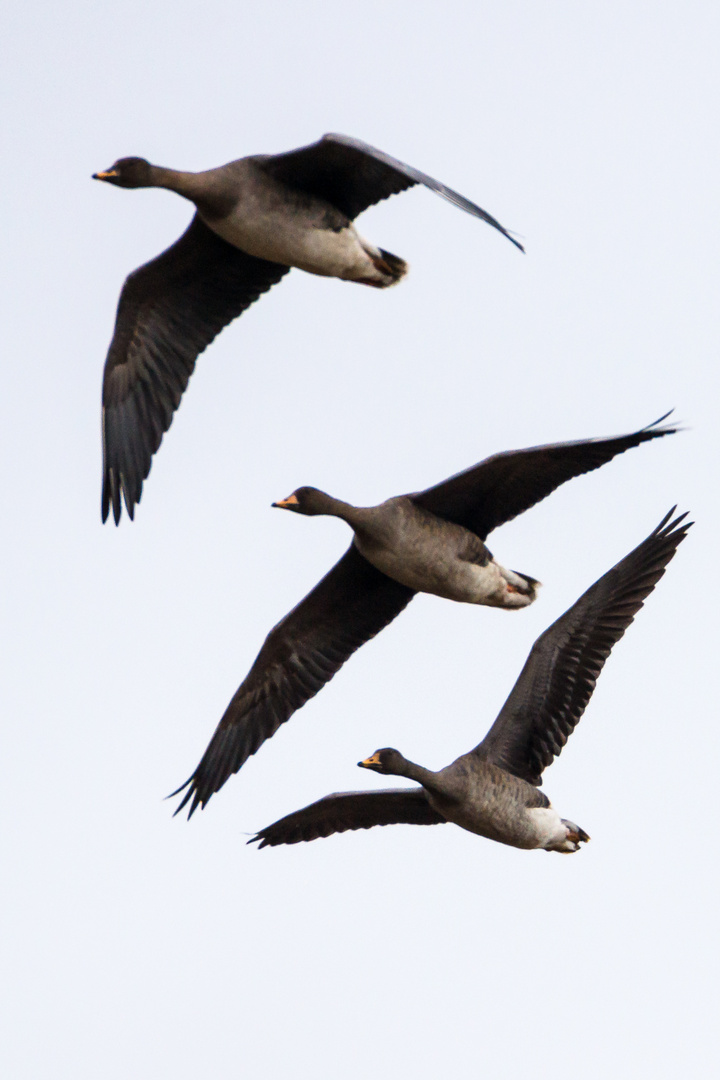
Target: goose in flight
{"x": 431, "y": 541}
{"x": 255, "y": 219}
{"x": 493, "y": 790}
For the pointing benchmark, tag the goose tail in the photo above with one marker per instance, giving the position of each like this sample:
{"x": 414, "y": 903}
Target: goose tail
{"x": 389, "y": 268}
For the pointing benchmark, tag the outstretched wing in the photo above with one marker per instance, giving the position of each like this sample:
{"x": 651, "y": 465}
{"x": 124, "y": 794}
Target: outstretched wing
{"x": 353, "y": 175}
{"x": 351, "y": 810}
{"x": 560, "y": 673}
{"x": 170, "y": 309}
{"x": 351, "y": 604}
{"x": 503, "y": 486}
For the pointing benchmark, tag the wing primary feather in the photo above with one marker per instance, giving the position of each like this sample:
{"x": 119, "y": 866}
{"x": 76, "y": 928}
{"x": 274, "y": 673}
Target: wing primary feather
{"x": 352, "y": 175}
{"x": 169, "y": 311}
{"x": 419, "y": 177}
{"x": 560, "y": 674}
{"x": 351, "y": 604}
{"x": 499, "y": 488}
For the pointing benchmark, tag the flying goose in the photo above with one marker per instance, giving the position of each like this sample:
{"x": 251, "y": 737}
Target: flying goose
{"x": 256, "y": 218}
{"x": 494, "y": 789}
{"x": 431, "y": 541}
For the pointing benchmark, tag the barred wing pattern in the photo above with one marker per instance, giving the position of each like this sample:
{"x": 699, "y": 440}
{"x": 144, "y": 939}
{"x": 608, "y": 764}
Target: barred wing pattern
{"x": 353, "y": 175}
{"x": 351, "y": 604}
{"x": 350, "y": 810}
{"x": 170, "y": 309}
{"x": 559, "y": 676}
{"x": 501, "y": 487}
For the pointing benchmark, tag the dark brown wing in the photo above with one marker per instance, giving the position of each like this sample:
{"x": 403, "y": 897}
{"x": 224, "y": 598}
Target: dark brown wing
{"x": 353, "y": 175}
{"x": 351, "y": 810}
{"x": 503, "y": 486}
{"x": 560, "y": 673}
{"x": 349, "y": 606}
{"x": 170, "y": 309}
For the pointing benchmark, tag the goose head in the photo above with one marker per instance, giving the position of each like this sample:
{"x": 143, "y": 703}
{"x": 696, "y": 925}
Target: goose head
{"x": 387, "y": 761}
{"x": 129, "y": 172}
{"x": 308, "y": 500}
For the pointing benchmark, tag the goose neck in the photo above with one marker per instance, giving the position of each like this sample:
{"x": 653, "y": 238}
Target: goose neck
{"x": 337, "y": 508}
{"x": 187, "y": 184}
{"x": 415, "y": 772}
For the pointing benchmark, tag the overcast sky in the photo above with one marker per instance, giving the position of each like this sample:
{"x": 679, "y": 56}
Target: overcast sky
{"x": 142, "y": 946}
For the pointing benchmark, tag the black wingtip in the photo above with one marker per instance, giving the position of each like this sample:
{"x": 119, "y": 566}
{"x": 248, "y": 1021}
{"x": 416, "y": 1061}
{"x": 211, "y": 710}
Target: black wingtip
{"x": 111, "y": 497}
{"x": 191, "y": 793}
{"x": 127, "y": 496}
{"x": 669, "y": 429}
{"x": 678, "y": 525}
{"x": 114, "y": 492}
{"x": 490, "y": 220}
{"x": 107, "y": 499}
{"x": 665, "y": 520}
{"x": 660, "y": 419}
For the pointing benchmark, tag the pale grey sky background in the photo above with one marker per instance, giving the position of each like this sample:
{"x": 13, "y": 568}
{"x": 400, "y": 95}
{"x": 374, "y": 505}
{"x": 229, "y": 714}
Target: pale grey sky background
{"x": 141, "y": 946}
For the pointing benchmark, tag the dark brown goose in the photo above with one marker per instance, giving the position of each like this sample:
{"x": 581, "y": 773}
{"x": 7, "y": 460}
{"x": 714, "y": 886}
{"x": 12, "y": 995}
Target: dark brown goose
{"x": 431, "y": 541}
{"x": 494, "y": 790}
{"x": 256, "y": 218}
{"x": 419, "y": 549}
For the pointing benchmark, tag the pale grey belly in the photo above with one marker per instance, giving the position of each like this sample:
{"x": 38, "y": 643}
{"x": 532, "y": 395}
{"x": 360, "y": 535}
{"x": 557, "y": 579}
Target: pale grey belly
{"x": 507, "y": 823}
{"x": 464, "y": 582}
{"x": 292, "y": 241}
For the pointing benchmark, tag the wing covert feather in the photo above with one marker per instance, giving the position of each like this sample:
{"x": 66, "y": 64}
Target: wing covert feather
{"x": 350, "y": 810}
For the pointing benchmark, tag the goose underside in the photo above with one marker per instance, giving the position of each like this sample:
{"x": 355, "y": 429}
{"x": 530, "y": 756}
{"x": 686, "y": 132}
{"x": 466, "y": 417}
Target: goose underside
{"x": 316, "y": 246}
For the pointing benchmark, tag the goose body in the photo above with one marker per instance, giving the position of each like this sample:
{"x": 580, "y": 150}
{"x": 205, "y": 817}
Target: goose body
{"x": 421, "y": 550}
{"x": 270, "y": 220}
{"x": 429, "y": 541}
{"x": 486, "y": 800}
{"x": 493, "y": 791}
{"x": 256, "y": 218}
